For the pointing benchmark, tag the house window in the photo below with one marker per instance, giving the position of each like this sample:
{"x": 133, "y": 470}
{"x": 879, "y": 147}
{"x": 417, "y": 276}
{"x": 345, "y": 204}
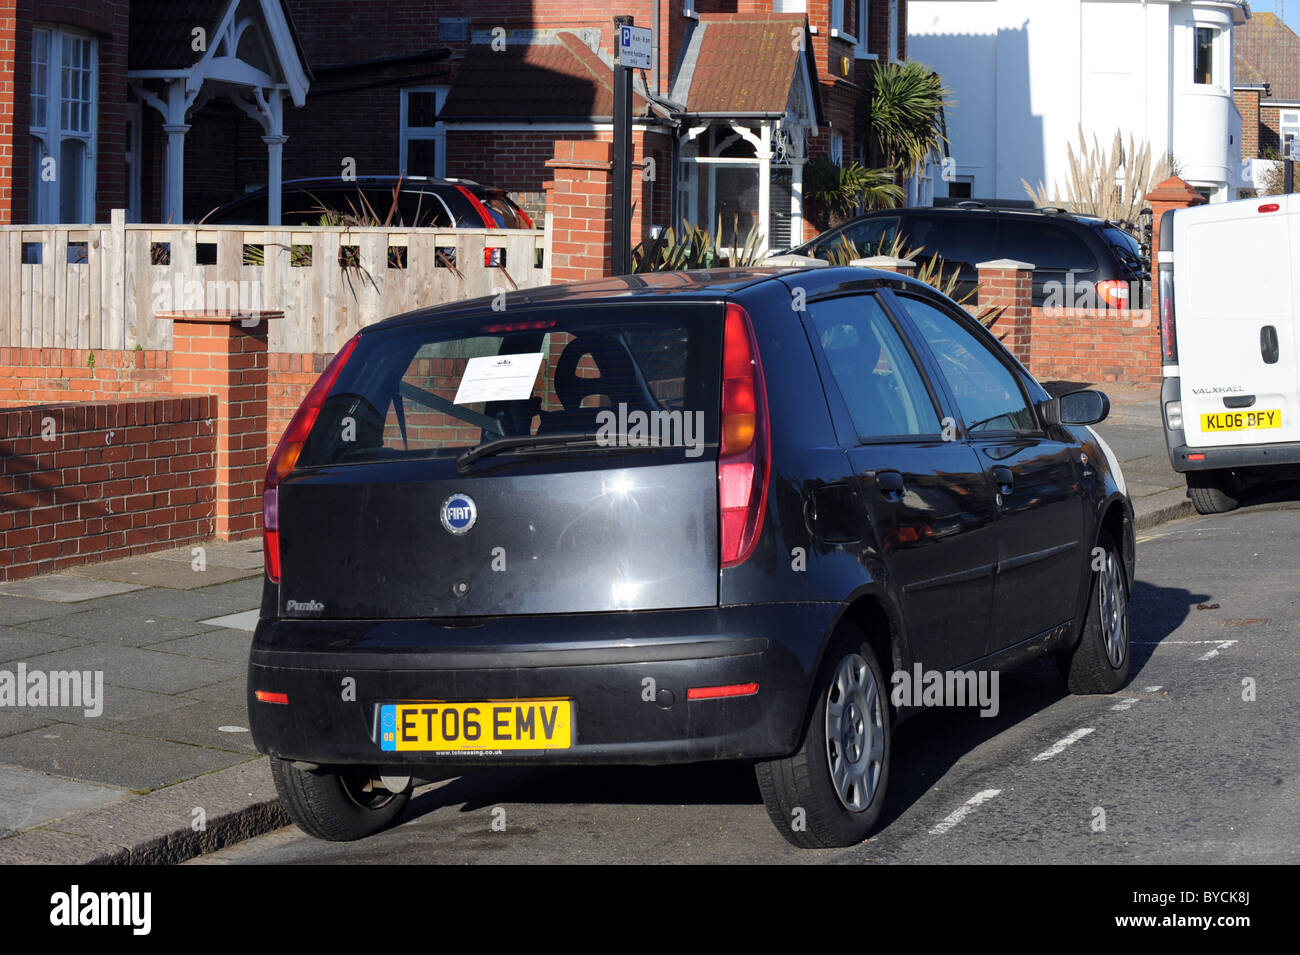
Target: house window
{"x": 837, "y": 15}
{"x": 62, "y": 133}
{"x": 1288, "y": 128}
{"x": 1206, "y": 42}
{"x": 837, "y": 148}
{"x": 861, "y": 50}
{"x": 424, "y": 138}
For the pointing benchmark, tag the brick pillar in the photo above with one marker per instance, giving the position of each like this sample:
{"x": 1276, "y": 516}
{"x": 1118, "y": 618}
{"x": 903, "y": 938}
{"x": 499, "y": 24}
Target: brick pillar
{"x": 887, "y": 263}
{"x": 225, "y": 355}
{"x": 1173, "y": 193}
{"x": 579, "y": 210}
{"x": 1010, "y": 285}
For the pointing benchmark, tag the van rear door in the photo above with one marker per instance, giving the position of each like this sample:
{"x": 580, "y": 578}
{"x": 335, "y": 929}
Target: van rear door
{"x": 1235, "y": 297}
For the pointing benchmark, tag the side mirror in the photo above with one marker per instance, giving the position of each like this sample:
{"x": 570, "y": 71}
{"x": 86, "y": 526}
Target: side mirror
{"x": 1075, "y": 408}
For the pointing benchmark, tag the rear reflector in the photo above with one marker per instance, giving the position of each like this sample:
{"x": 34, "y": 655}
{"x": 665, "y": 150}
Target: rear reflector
{"x": 721, "y": 692}
{"x": 743, "y": 463}
{"x": 1196, "y": 457}
{"x": 265, "y": 697}
{"x": 286, "y": 457}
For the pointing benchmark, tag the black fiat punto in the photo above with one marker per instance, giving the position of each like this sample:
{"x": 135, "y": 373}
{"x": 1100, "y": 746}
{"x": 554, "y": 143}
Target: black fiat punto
{"x": 670, "y": 518}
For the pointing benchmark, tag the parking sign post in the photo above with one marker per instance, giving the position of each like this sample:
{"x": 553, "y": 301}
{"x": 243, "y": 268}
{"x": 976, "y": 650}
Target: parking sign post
{"x": 1290, "y": 151}
{"x": 631, "y": 52}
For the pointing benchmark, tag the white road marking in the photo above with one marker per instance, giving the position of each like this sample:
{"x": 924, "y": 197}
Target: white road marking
{"x": 1125, "y": 703}
{"x": 962, "y": 811}
{"x": 1154, "y": 689}
{"x": 1218, "y": 645}
{"x": 1060, "y": 745}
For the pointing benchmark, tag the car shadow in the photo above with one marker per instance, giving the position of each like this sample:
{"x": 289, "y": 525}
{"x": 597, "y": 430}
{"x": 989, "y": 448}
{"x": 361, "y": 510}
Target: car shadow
{"x": 925, "y": 747}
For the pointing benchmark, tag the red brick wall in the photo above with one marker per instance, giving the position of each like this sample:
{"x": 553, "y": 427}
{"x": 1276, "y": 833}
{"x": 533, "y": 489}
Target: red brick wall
{"x": 109, "y": 21}
{"x": 1270, "y": 130}
{"x": 1247, "y": 102}
{"x": 289, "y": 378}
{"x": 1102, "y": 345}
{"x": 118, "y": 478}
{"x": 31, "y": 376}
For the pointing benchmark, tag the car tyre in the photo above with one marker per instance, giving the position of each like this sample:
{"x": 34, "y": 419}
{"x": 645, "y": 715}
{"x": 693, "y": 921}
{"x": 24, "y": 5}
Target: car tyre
{"x": 829, "y": 793}
{"x": 1099, "y": 662}
{"x": 335, "y": 805}
{"x": 1212, "y": 492}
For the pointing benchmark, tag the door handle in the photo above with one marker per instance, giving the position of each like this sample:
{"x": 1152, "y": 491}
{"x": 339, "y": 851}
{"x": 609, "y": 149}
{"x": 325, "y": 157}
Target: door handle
{"x": 1268, "y": 344}
{"x": 890, "y": 484}
{"x": 1005, "y": 478}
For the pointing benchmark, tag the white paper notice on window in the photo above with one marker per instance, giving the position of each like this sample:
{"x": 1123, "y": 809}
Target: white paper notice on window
{"x": 499, "y": 378}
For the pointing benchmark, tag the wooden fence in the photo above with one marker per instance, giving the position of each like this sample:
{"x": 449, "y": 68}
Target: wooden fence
{"x": 100, "y": 286}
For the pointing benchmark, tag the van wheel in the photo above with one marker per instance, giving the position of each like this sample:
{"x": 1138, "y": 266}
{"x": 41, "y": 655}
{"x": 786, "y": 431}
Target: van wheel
{"x": 1099, "y": 662}
{"x": 337, "y": 806}
{"x": 1212, "y": 492}
{"x": 829, "y": 793}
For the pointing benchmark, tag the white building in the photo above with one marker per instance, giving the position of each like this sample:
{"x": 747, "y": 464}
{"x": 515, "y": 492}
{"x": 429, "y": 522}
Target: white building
{"x": 1026, "y": 73}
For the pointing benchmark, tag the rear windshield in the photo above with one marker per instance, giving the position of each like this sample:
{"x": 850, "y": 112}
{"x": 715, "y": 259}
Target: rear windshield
{"x": 435, "y": 389}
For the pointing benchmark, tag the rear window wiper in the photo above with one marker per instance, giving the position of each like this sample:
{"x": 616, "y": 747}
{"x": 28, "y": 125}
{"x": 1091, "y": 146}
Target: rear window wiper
{"x": 517, "y": 442}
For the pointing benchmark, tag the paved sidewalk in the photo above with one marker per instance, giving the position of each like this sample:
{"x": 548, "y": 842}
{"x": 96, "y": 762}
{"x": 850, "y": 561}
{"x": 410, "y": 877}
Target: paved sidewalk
{"x": 170, "y": 633}
{"x": 1135, "y": 432}
{"x": 167, "y": 770}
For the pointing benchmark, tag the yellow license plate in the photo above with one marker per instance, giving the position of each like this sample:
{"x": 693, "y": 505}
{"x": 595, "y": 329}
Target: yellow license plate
{"x": 1241, "y": 420}
{"x": 434, "y": 726}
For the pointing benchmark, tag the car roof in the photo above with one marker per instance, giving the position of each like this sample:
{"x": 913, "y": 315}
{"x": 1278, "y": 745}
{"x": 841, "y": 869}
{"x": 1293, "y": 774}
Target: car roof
{"x": 708, "y": 285}
{"x": 1046, "y": 213}
{"x": 334, "y": 183}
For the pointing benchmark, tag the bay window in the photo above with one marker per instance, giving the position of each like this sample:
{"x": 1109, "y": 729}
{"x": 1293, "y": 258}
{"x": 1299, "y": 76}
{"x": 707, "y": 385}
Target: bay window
{"x": 64, "y": 114}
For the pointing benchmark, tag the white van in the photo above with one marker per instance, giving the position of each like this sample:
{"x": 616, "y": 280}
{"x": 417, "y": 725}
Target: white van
{"x": 1231, "y": 391}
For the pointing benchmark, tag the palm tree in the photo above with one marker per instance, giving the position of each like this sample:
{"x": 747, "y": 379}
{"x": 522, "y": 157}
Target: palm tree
{"x": 843, "y": 190}
{"x": 905, "y": 114}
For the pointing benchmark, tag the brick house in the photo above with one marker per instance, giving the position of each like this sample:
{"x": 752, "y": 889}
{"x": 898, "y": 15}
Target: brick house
{"x": 1267, "y": 87}
{"x": 168, "y": 122}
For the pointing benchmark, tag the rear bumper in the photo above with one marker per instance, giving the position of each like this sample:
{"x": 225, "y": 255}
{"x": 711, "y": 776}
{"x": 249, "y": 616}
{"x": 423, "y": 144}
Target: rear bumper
{"x": 600, "y": 661}
{"x": 1245, "y": 456}
{"x": 1219, "y": 458}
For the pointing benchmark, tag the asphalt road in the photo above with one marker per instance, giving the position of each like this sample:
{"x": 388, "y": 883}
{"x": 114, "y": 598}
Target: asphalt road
{"x": 1176, "y": 768}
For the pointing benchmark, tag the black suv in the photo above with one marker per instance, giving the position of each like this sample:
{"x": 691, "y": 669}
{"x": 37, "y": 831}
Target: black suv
{"x": 434, "y": 203}
{"x": 669, "y": 518}
{"x": 1072, "y": 254}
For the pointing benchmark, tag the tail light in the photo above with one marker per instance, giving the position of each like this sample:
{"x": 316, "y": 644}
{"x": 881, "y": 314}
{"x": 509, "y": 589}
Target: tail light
{"x": 489, "y": 221}
{"x": 743, "y": 463}
{"x": 1114, "y": 293}
{"x": 286, "y": 457}
{"x": 1168, "y": 343}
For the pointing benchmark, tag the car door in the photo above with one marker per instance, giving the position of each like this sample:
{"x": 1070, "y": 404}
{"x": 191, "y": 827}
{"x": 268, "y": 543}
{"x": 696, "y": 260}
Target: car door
{"x": 1040, "y": 550}
{"x": 962, "y": 239}
{"x": 928, "y": 499}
